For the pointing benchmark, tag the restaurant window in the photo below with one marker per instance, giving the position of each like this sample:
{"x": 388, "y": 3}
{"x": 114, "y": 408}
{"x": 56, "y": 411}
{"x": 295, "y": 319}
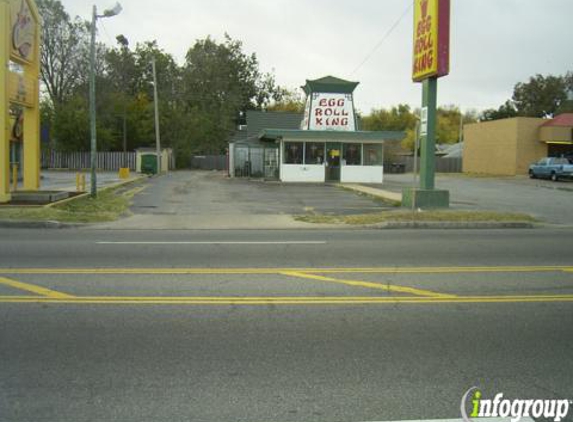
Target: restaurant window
{"x": 372, "y": 154}
{"x": 293, "y": 152}
{"x": 352, "y": 154}
{"x": 314, "y": 153}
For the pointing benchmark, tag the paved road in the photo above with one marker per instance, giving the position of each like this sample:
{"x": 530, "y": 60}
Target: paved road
{"x": 280, "y": 325}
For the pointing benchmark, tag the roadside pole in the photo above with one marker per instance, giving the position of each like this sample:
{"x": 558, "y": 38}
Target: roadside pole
{"x": 156, "y": 106}
{"x": 428, "y": 142}
{"x": 415, "y": 169}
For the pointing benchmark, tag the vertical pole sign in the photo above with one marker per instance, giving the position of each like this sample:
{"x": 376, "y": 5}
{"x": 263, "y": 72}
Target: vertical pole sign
{"x": 431, "y": 60}
{"x": 19, "y": 87}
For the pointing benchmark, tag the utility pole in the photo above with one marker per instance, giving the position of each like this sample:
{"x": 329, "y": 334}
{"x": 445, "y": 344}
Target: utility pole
{"x": 93, "y": 130}
{"x": 156, "y": 103}
{"x": 461, "y": 137}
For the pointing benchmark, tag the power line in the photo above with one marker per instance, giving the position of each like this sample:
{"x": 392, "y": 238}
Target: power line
{"x": 386, "y": 35}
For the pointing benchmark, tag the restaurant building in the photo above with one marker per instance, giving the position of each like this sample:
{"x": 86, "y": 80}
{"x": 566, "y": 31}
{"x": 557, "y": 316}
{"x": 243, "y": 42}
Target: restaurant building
{"x": 320, "y": 145}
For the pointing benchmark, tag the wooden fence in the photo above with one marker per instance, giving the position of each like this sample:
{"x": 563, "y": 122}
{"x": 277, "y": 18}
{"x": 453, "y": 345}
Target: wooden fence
{"x": 406, "y": 164}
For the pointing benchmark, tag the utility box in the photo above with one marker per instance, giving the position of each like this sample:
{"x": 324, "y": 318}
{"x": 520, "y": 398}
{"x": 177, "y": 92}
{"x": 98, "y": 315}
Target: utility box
{"x": 146, "y": 160}
{"x": 149, "y": 164}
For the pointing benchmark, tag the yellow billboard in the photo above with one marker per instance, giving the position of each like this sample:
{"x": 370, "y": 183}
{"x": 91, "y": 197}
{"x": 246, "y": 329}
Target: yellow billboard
{"x": 23, "y": 31}
{"x": 20, "y": 43}
{"x": 431, "y": 39}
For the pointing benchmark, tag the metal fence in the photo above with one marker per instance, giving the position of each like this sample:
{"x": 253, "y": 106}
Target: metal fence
{"x": 82, "y": 160}
{"x": 256, "y": 161}
{"x": 406, "y": 164}
{"x": 209, "y": 162}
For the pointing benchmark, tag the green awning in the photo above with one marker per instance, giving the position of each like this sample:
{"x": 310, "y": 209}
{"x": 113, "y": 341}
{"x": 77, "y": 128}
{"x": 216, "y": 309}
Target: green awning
{"x": 330, "y": 135}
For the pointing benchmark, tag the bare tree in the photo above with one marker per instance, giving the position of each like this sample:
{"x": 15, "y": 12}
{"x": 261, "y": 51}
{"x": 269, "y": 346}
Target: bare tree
{"x": 64, "y": 51}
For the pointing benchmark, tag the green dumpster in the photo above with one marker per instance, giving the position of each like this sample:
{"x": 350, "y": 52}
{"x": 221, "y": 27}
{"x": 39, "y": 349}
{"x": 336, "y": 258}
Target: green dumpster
{"x": 149, "y": 163}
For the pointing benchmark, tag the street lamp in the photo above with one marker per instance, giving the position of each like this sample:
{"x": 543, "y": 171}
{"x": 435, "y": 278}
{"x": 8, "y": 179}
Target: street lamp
{"x": 156, "y": 108}
{"x": 108, "y": 13}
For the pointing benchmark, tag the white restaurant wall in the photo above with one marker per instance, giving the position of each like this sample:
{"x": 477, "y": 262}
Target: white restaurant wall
{"x": 302, "y": 173}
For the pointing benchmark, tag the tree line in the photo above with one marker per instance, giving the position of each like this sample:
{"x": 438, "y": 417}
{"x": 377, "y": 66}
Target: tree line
{"x": 201, "y": 100}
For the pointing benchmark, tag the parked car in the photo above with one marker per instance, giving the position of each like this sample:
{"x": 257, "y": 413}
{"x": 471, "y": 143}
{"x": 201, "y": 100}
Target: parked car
{"x": 553, "y": 168}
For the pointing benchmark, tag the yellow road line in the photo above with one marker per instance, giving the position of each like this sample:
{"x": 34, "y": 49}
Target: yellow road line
{"x": 369, "y": 285}
{"x": 381, "y": 270}
{"x": 282, "y": 300}
{"x": 33, "y": 288}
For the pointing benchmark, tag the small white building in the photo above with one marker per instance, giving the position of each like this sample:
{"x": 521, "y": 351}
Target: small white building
{"x": 328, "y": 156}
{"x": 321, "y": 145}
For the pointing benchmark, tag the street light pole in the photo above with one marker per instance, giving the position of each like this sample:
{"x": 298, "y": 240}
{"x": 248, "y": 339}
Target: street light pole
{"x": 156, "y": 105}
{"x": 93, "y": 130}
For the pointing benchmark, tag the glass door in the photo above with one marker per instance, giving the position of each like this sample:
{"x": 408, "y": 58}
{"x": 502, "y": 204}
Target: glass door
{"x": 333, "y": 151}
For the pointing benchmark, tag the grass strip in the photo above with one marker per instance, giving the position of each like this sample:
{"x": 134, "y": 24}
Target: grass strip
{"x": 109, "y": 205}
{"x": 404, "y": 216}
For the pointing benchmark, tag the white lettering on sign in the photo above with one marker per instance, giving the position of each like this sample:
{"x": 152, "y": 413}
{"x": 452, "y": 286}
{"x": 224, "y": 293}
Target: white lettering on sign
{"x": 424, "y": 121}
{"x": 331, "y": 112}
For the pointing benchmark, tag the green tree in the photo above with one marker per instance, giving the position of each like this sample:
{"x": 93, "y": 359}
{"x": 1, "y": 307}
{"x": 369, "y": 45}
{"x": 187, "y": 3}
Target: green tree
{"x": 397, "y": 118}
{"x": 220, "y": 80}
{"x": 288, "y": 101}
{"x": 448, "y": 127}
{"x": 541, "y": 96}
{"x": 506, "y": 110}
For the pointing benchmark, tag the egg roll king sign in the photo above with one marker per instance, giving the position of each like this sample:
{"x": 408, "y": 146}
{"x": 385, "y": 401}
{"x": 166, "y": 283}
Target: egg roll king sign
{"x": 431, "y": 39}
{"x": 431, "y": 60}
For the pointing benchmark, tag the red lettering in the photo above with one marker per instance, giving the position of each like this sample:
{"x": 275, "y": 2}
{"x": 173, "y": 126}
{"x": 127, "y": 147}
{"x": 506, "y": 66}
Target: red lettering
{"x": 318, "y": 112}
{"x": 318, "y": 121}
{"x": 344, "y": 121}
{"x": 328, "y": 112}
{"x": 340, "y": 102}
{"x": 322, "y": 102}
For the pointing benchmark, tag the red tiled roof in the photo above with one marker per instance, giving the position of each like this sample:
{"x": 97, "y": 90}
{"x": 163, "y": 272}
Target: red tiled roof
{"x": 565, "y": 119}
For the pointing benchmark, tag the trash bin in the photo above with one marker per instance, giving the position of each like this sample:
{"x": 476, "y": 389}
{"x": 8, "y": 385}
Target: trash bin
{"x": 149, "y": 163}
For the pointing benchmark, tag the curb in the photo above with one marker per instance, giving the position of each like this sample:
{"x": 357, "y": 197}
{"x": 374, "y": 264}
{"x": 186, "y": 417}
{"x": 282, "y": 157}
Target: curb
{"x": 440, "y": 225}
{"x": 453, "y": 225}
{"x": 19, "y": 224}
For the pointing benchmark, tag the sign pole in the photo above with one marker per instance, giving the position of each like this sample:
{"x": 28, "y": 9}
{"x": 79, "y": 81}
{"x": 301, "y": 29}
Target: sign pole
{"x": 4, "y": 105}
{"x": 428, "y": 146}
{"x": 431, "y": 60}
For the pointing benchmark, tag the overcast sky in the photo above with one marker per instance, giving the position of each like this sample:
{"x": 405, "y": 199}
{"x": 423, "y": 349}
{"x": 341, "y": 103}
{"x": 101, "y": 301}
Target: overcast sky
{"x": 494, "y": 43}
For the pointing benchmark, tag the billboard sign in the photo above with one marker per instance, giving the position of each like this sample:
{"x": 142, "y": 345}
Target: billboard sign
{"x": 330, "y": 111}
{"x": 431, "y": 39}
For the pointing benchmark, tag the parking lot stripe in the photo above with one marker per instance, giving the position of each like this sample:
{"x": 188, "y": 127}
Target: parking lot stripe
{"x": 369, "y": 285}
{"x": 33, "y": 289}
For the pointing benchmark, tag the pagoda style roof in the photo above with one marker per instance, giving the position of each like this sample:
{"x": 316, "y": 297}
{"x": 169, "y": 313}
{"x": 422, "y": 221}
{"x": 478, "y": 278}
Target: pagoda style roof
{"x": 329, "y": 84}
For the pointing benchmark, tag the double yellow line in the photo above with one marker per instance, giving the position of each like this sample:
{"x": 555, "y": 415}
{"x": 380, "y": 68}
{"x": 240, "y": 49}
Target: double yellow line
{"x": 410, "y": 295}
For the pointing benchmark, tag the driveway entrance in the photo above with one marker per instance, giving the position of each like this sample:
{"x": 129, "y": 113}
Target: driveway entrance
{"x": 208, "y": 199}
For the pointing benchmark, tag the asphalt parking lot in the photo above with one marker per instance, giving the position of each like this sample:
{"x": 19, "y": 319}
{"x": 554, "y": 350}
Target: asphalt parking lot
{"x": 208, "y": 199}
{"x": 550, "y": 202}
{"x": 212, "y": 193}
